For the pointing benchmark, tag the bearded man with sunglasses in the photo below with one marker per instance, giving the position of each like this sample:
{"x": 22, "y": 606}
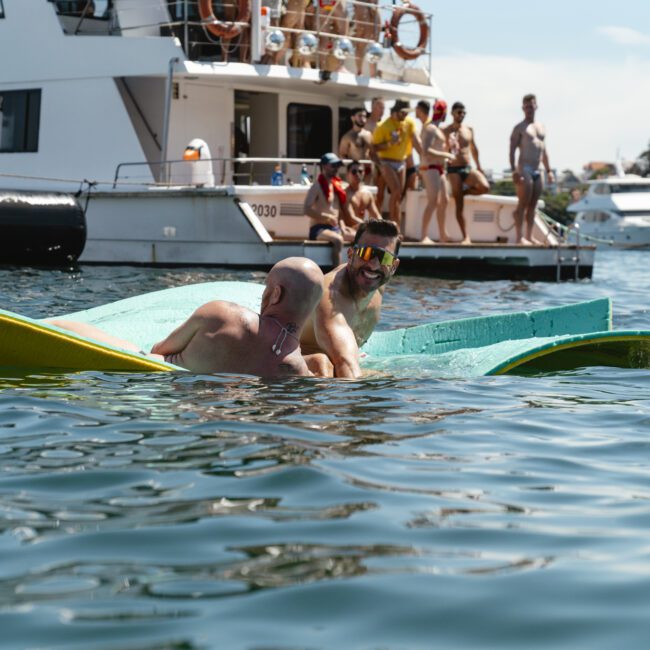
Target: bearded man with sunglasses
{"x": 350, "y": 307}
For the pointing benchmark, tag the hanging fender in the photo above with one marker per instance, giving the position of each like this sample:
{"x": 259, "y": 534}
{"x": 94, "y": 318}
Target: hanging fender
{"x": 226, "y": 31}
{"x": 401, "y": 50}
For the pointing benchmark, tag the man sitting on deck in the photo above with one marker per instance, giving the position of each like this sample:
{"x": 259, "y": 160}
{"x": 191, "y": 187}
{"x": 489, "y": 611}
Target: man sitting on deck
{"x": 327, "y": 208}
{"x": 351, "y": 303}
{"x": 222, "y": 336}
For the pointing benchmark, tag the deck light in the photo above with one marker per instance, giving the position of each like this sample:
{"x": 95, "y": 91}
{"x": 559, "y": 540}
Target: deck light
{"x": 307, "y": 44}
{"x": 274, "y": 41}
{"x": 374, "y": 52}
{"x": 342, "y": 48}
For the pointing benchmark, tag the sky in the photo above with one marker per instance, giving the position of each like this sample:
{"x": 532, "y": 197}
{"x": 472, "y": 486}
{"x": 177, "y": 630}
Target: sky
{"x": 588, "y": 62}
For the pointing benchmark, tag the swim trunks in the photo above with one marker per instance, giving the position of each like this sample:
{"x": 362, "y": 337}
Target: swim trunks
{"x": 463, "y": 172}
{"x": 316, "y": 230}
{"x": 531, "y": 171}
{"x": 439, "y": 168}
{"x": 397, "y": 165}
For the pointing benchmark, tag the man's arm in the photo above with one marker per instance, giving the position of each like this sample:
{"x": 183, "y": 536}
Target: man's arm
{"x": 337, "y": 340}
{"x": 515, "y": 138}
{"x": 415, "y": 139}
{"x": 311, "y": 211}
{"x": 179, "y": 339}
{"x": 373, "y": 209}
{"x": 344, "y": 146}
{"x": 475, "y": 150}
{"x": 547, "y": 166}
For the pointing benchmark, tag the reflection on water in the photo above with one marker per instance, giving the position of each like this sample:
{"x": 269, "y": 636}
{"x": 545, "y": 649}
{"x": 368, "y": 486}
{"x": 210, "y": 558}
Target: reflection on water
{"x": 180, "y": 511}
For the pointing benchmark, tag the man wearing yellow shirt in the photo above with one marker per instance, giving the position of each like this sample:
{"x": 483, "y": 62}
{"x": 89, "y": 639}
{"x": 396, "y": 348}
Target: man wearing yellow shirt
{"x": 392, "y": 140}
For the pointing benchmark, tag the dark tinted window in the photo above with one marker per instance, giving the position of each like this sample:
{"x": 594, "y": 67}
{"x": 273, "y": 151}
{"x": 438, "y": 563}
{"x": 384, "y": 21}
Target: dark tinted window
{"x": 2, "y": 10}
{"x": 629, "y": 187}
{"x": 309, "y": 130}
{"x": 19, "y": 120}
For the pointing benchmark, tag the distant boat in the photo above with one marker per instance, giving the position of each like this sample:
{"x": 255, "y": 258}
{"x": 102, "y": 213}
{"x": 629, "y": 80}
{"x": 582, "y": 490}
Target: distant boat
{"x": 615, "y": 212}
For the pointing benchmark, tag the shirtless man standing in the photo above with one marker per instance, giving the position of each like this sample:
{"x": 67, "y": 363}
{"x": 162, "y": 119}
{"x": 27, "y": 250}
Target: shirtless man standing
{"x": 327, "y": 208}
{"x": 222, "y": 336}
{"x": 432, "y": 170}
{"x": 438, "y": 117}
{"x": 360, "y": 198}
{"x": 390, "y": 140}
{"x": 377, "y": 108}
{"x": 351, "y": 303}
{"x": 357, "y": 142}
{"x": 529, "y": 137}
{"x": 462, "y": 178}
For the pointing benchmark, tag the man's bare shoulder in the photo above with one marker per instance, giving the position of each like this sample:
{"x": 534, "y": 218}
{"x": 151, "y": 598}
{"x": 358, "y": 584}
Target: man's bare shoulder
{"x": 366, "y": 135}
{"x": 334, "y": 279}
{"x": 519, "y": 127}
{"x": 223, "y": 312}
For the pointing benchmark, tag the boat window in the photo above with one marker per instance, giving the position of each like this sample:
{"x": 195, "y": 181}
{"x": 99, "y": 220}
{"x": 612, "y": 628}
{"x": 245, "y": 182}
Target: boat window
{"x": 20, "y": 112}
{"x": 309, "y": 130}
{"x": 601, "y": 188}
{"x": 87, "y": 8}
{"x": 2, "y": 10}
{"x": 595, "y": 217}
{"x": 630, "y": 187}
{"x": 635, "y": 213}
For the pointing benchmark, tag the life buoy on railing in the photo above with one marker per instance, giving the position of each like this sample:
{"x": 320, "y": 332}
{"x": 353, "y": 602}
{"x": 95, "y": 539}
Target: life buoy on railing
{"x": 226, "y": 31}
{"x": 401, "y": 50}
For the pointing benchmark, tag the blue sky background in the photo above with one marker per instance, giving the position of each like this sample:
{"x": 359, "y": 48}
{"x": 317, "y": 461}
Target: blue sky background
{"x": 587, "y": 61}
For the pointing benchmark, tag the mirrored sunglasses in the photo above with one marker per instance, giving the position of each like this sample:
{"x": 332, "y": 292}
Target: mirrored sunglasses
{"x": 366, "y": 253}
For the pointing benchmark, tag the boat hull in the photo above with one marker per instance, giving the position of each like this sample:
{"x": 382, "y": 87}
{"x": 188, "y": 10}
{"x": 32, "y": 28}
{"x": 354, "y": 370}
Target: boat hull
{"x": 213, "y": 227}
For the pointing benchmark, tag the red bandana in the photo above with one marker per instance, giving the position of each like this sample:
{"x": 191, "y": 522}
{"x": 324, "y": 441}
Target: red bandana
{"x": 335, "y": 185}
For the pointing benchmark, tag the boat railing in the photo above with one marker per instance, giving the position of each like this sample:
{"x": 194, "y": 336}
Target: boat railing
{"x": 330, "y": 35}
{"x": 220, "y": 171}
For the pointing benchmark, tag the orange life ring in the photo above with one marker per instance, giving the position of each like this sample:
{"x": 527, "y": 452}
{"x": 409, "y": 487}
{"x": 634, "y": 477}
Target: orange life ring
{"x": 406, "y": 52}
{"x": 226, "y": 31}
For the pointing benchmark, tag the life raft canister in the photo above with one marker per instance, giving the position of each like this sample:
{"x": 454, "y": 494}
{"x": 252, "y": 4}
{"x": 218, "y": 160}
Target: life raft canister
{"x": 226, "y": 31}
{"x": 402, "y": 51}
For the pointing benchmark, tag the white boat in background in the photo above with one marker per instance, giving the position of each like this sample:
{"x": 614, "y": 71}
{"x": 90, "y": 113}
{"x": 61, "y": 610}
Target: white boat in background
{"x": 615, "y": 212}
{"x": 105, "y": 97}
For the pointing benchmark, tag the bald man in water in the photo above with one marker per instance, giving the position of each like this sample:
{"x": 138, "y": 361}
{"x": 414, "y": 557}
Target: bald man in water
{"x": 222, "y": 336}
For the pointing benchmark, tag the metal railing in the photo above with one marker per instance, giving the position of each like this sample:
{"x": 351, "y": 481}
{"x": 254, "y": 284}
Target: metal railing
{"x": 346, "y": 19}
{"x": 225, "y": 171}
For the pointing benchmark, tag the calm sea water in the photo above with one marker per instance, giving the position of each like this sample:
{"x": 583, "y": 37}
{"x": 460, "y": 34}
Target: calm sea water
{"x": 147, "y": 512}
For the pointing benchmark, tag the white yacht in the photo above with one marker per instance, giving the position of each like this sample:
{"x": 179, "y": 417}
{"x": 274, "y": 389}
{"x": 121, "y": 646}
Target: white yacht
{"x": 615, "y": 212}
{"x": 101, "y": 98}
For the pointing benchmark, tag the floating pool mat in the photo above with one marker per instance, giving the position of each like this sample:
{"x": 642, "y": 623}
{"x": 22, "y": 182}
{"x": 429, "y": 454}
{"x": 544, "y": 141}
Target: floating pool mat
{"x": 551, "y": 339}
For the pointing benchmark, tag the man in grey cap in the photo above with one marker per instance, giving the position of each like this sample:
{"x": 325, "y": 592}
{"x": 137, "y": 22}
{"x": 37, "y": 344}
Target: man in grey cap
{"x": 393, "y": 140}
{"x": 326, "y": 206}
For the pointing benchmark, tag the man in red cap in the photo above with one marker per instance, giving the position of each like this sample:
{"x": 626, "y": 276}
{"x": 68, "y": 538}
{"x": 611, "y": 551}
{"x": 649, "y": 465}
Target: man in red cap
{"x": 432, "y": 170}
{"x": 439, "y": 112}
{"x": 439, "y": 116}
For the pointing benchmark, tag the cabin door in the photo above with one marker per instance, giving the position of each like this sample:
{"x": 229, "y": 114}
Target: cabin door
{"x": 204, "y": 111}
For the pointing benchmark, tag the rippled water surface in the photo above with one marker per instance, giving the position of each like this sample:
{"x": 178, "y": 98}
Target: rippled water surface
{"x": 142, "y": 511}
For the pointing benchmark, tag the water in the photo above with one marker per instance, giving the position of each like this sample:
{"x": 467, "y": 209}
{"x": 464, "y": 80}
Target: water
{"x": 147, "y": 512}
